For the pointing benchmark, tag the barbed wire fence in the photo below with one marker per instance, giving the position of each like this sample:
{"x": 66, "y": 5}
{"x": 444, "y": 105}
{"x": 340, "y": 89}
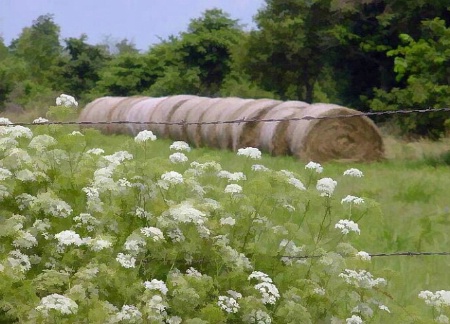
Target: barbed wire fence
{"x": 242, "y": 120}
{"x": 250, "y": 120}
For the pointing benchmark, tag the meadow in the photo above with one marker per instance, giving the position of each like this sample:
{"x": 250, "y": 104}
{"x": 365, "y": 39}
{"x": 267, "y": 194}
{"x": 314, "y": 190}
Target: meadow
{"x": 115, "y": 229}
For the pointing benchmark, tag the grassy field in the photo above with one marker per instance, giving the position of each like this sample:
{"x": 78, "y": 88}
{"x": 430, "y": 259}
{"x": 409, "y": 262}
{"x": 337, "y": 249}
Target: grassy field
{"x": 408, "y": 211}
{"x": 411, "y": 188}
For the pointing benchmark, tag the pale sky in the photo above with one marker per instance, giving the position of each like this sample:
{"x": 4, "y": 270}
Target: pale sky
{"x": 140, "y": 21}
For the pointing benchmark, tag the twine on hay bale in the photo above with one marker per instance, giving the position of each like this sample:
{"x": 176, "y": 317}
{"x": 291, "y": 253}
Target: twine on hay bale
{"x": 345, "y": 139}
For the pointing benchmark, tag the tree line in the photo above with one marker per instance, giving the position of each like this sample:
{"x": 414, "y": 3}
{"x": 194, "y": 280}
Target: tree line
{"x": 364, "y": 54}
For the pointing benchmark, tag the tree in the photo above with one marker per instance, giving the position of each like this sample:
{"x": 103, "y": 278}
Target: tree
{"x": 286, "y": 53}
{"x": 81, "y": 66}
{"x": 39, "y": 46}
{"x": 423, "y": 79}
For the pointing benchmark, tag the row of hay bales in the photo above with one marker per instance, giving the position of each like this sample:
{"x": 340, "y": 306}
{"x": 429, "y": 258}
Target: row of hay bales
{"x": 349, "y": 139}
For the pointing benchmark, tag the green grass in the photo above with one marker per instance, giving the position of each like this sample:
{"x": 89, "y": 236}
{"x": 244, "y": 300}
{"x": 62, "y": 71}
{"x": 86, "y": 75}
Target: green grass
{"x": 414, "y": 211}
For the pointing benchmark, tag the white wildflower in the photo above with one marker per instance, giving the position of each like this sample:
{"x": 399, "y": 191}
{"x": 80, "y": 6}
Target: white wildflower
{"x": 176, "y": 235}
{"x": 227, "y": 221}
{"x": 352, "y": 200}
{"x": 155, "y": 233}
{"x": 178, "y": 158}
{"x": 442, "y": 319}
{"x": 126, "y": 260}
{"x": 129, "y": 313}
{"x": 261, "y": 276}
{"x": 19, "y": 260}
{"x": 5, "y": 174}
{"x": 361, "y": 279}
{"x": 437, "y": 299}
{"x": 353, "y": 173}
{"x": 326, "y": 186}
{"x": 180, "y": 146}
{"x": 17, "y": 131}
{"x": 354, "y": 320}
{"x": 385, "y": 308}
{"x": 346, "y": 226}
{"x": 24, "y": 240}
{"x": 259, "y": 168}
{"x": 257, "y": 316}
{"x": 95, "y": 151}
{"x": 250, "y": 152}
{"x": 99, "y": 244}
{"x": 172, "y": 177}
{"x": 363, "y": 256}
{"x": 144, "y": 136}
{"x": 186, "y": 213}
{"x": 25, "y": 175}
{"x": 314, "y": 166}
{"x": 192, "y": 272}
{"x": 118, "y": 157}
{"x": 69, "y": 237}
{"x": 76, "y": 133}
{"x": 228, "y": 304}
{"x": 42, "y": 142}
{"x": 319, "y": 291}
{"x": 234, "y": 294}
{"x": 134, "y": 244}
{"x": 156, "y": 285}
{"x": 40, "y": 120}
{"x": 60, "y": 303}
{"x": 66, "y": 101}
{"x": 233, "y": 188}
{"x": 5, "y": 121}
{"x": 236, "y": 176}
{"x": 296, "y": 183}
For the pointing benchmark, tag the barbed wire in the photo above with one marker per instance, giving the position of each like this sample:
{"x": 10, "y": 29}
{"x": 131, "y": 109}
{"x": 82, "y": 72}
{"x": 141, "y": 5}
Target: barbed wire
{"x": 373, "y": 255}
{"x": 239, "y": 121}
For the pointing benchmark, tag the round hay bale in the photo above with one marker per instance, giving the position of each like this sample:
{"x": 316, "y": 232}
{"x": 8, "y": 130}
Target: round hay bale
{"x": 99, "y": 111}
{"x": 179, "y": 132}
{"x": 163, "y": 112}
{"x": 247, "y": 133}
{"x": 272, "y": 135}
{"x": 194, "y": 116}
{"x": 140, "y": 112}
{"x": 222, "y": 132}
{"x": 352, "y": 139}
{"x": 120, "y": 112}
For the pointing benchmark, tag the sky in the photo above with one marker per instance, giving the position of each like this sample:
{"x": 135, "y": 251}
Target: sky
{"x": 141, "y": 21}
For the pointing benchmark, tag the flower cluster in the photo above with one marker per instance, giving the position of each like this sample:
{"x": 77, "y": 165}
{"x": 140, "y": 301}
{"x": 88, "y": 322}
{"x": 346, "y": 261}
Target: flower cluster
{"x": 145, "y": 136}
{"x": 250, "y": 152}
{"x": 268, "y": 290}
{"x": 346, "y": 226}
{"x": 66, "y": 101}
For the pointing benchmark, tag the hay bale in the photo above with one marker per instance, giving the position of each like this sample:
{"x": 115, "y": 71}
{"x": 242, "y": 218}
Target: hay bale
{"x": 179, "y": 132}
{"x": 246, "y": 134}
{"x": 163, "y": 112}
{"x": 272, "y": 135}
{"x": 99, "y": 111}
{"x": 140, "y": 112}
{"x": 222, "y": 138}
{"x": 193, "y": 132}
{"x": 120, "y": 112}
{"x": 354, "y": 139}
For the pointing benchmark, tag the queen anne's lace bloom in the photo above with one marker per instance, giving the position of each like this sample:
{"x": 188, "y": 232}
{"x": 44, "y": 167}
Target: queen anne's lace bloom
{"x": 180, "y": 146}
{"x": 259, "y": 168}
{"x": 5, "y": 174}
{"x": 228, "y": 304}
{"x": 346, "y": 226}
{"x": 40, "y": 120}
{"x": 18, "y": 260}
{"x": 144, "y": 136}
{"x": 363, "y": 256}
{"x": 438, "y": 299}
{"x": 60, "y": 303}
{"x": 178, "y": 158}
{"x": 129, "y": 313}
{"x": 156, "y": 285}
{"x": 95, "y": 151}
{"x": 155, "y": 233}
{"x": 233, "y": 188}
{"x": 314, "y": 166}
{"x": 126, "y": 260}
{"x": 361, "y": 279}
{"x": 353, "y": 173}
{"x": 227, "y": 221}
{"x": 236, "y": 176}
{"x": 354, "y": 320}
{"x": 326, "y": 186}
{"x": 250, "y": 152}
{"x": 352, "y": 200}
{"x": 66, "y": 101}
{"x": 68, "y": 238}
{"x": 172, "y": 177}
